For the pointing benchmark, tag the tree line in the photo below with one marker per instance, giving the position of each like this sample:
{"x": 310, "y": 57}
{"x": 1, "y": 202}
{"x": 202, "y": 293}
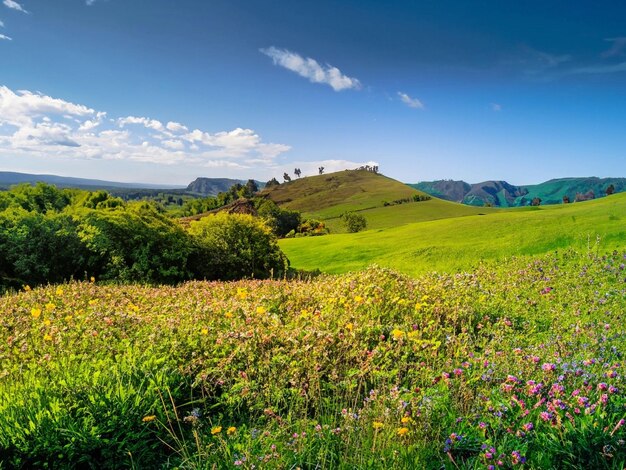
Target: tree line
{"x": 50, "y": 235}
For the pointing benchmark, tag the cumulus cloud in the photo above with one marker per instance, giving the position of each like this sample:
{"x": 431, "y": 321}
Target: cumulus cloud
{"x": 311, "y": 69}
{"x": 14, "y": 5}
{"x": 6, "y": 38}
{"x": 410, "y": 102}
{"x": 37, "y": 125}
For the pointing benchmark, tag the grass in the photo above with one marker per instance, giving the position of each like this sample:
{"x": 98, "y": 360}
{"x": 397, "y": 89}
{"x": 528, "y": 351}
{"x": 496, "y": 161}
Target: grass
{"x": 459, "y": 243}
{"x": 326, "y": 197}
{"x": 515, "y": 365}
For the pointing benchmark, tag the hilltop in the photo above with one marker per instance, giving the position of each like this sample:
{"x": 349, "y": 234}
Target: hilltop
{"x": 503, "y": 194}
{"x": 383, "y": 201}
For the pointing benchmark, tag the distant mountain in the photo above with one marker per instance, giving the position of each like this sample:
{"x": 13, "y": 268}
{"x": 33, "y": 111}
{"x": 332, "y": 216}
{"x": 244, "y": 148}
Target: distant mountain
{"x": 9, "y": 178}
{"x": 503, "y": 194}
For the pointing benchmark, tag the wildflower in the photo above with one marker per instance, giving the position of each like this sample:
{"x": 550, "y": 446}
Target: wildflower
{"x": 241, "y": 293}
{"x": 149, "y": 418}
{"x": 216, "y": 430}
{"x": 405, "y": 419}
{"x": 59, "y": 291}
{"x": 358, "y": 299}
{"x": 205, "y": 331}
{"x": 36, "y": 312}
{"x": 92, "y": 279}
{"x": 228, "y": 314}
{"x": 231, "y": 430}
{"x": 260, "y": 310}
{"x": 528, "y": 427}
{"x": 349, "y": 326}
{"x": 403, "y": 431}
{"x": 50, "y": 306}
{"x": 397, "y": 334}
{"x": 47, "y": 337}
{"x": 27, "y": 288}
{"x": 377, "y": 425}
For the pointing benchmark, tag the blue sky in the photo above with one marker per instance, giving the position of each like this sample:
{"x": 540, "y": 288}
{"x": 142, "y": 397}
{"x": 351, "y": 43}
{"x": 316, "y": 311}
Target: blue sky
{"x": 165, "y": 91}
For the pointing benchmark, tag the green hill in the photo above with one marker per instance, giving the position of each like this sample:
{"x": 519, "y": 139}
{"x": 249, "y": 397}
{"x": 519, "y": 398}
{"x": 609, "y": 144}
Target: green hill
{"x": 456, "y": 243}
{"x": 503, "y": 194}
{"x": 383, "y": 201}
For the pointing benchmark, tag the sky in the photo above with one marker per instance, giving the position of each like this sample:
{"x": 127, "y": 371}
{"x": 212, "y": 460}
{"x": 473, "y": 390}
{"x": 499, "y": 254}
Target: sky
{"x": 165, "y": 91}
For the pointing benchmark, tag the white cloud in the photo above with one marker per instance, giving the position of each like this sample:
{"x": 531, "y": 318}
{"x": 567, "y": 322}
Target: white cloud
{"x": 599, "y": 69}
{"x": 311, "y": 69}
{"x": 14, "y": 5}
{"x": 496, "y": 107}
{"x": 37, "y": 125}
{"x": 410, "y": 102}
{"x": 617, "y": 48}
{"x": 176, "y": 127}
{"x": 6, "y": 38}
{"x": 1, "y": 24}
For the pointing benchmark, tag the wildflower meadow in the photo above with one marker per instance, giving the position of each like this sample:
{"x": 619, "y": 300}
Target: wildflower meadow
{"x": 510, "y": 365}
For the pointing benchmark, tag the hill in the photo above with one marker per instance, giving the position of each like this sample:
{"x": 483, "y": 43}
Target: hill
{"x": 383, "y": 201}
{"x": 455, "y": 243}
{"x": 503, "y": 194}
{"x": 9, "y": 178}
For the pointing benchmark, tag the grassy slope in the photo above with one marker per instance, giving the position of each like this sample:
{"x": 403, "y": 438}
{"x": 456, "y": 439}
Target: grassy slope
{"x": 459, "y": 243}
{"x": 326, "y": 197}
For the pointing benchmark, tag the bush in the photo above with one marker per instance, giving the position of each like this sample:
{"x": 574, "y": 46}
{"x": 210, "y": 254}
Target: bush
{"x": 235, "y": 246}
{"x": 354, "y": 222}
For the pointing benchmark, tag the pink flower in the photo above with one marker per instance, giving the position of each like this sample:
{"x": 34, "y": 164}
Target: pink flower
{"x": 548, "y": 366}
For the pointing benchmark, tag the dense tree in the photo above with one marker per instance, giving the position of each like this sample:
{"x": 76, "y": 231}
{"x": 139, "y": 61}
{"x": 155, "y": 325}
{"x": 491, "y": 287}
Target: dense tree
{"x": 321, "y": 170}
{"x": 272, "y": 182}
{"x": 566, "y": 199}
{"x": 297, "y": 172}
{"x": 536, "y": 201}
{"x": 286, "y": 177}
{"x": 235, "y": 246}
{"x": 281, "y": 221}
{"x": 610, "y": 189}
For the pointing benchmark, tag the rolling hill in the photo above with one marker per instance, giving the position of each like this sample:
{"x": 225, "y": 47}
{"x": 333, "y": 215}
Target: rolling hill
{"x": 458, "y": 243}
{"x": 383, "y": 201}
{"x": 503, "y": 194}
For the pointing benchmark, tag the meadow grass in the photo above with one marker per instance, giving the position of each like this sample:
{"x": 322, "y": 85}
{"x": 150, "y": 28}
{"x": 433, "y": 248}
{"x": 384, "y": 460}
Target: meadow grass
{"x": 515, "y": 364}
{"x": 459, "y": 243}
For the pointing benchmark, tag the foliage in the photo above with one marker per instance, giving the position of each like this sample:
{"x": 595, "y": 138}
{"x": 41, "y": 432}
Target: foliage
{"x": 235, "y": 246}
{"x": 281, "y": 221}
{"x": 515, "y": 365}
{"x": 354, "y": 222}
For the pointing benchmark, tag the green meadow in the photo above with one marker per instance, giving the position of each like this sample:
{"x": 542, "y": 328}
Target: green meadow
{"x": 461, "y": 242}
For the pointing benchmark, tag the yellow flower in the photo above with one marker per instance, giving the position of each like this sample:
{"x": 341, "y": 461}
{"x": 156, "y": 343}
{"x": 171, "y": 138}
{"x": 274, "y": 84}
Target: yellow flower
{"x": 418, "y": 306}
{"x": 93, "y": 302}
{"x": 205, "y": 331}
{"x": 46, "y": 322}
{"x": 349, "y": 326}
{"x": 261, "y": 310}
{"x": 403, "y": 431}
{"x": 405, "y": 419}
{"x": 59, "y": 291}
{"x": 92, "y": 279}
{"x": 47, "y": 337}
{"x": 147, "y": 419}
{"x": 216, "y": 430}
{"x": 358, "y": 299}
{"x": 231, "y": 430}
{"x": 242, "y": 293}
{"x": 397, "y": 334}
{"x": 68, "y": 317}
{"x": 27, "y": 288}
{"x": 228, "y": 314}
{"x": 377, "y": 425}
{"x": 36, "y": 312}
{"x": 50, "y": 306}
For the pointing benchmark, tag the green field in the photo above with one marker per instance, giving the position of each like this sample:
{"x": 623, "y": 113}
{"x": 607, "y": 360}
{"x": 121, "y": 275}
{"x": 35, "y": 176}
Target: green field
{"x": 326, "y": 197}
{"x": 458, "y": 243}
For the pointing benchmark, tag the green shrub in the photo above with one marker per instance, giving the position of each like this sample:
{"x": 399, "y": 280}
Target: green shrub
{"x": 235, "y": 246}
{"x": 353, "y": 222}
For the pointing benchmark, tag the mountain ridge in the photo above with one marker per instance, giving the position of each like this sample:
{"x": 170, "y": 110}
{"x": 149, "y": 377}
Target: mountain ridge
{"x": 502, "y": 194}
